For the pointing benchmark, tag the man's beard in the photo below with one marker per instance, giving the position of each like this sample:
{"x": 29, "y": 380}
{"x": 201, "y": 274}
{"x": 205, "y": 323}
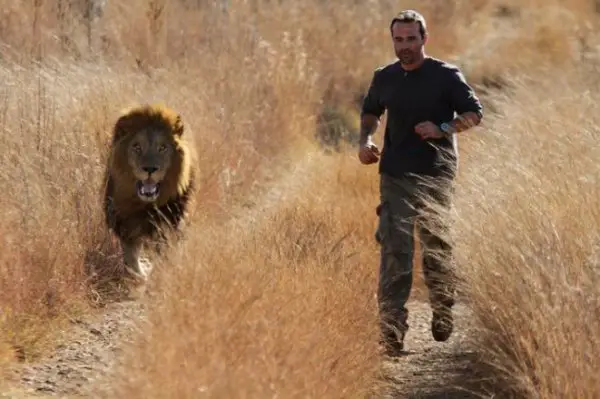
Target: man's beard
{"x": 407, "y": 56}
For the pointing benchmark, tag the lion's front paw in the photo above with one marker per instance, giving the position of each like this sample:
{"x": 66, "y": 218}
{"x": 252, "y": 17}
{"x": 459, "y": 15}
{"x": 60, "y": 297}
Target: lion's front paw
{"x": 145, "y": 267}
{"x": 140, "y": 271}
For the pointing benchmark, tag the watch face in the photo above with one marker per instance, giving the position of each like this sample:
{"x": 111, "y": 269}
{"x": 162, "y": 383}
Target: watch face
{"x": 446, "y": 128}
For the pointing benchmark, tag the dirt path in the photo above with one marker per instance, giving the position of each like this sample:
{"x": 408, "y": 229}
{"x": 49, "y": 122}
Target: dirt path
{"x": 81, "y": 362}
{"x": 429, "y": 370}
{"x": 435, "y": 370}
{"x": 91, "y": 349}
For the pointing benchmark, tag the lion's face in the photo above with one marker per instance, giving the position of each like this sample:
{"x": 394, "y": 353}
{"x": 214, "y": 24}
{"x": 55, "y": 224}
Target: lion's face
{"x": 150, "y": 153}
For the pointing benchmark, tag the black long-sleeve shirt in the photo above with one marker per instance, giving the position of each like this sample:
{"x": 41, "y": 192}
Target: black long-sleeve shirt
{"x": 434, "y": 92}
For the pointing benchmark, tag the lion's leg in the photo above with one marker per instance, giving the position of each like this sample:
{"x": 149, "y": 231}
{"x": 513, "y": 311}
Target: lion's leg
{"x": 134, "y": 264}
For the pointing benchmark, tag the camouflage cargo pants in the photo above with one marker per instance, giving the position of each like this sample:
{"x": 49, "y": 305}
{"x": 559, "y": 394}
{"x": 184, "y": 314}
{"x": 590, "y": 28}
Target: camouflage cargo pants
{"x": 398, "y": 212}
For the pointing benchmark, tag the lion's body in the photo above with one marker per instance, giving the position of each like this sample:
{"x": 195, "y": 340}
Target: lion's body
{"x": 147, "y": 138}
{"x": 130, "y": 222}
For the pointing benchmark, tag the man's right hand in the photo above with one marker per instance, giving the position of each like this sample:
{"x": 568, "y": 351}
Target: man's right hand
{"x": 368, "y": 153}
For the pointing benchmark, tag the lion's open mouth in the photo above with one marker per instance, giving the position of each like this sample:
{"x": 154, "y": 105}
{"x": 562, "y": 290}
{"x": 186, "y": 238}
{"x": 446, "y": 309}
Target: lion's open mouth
{"x": 147, "y": 191}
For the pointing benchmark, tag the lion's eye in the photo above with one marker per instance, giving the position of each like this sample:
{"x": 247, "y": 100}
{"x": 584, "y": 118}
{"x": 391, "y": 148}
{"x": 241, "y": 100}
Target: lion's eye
{"x": 162, "y": 148}
{"x": 137, "y": 148}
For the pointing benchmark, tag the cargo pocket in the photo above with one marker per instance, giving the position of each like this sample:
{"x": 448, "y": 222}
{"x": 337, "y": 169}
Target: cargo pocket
{"x": 383, "y": 226}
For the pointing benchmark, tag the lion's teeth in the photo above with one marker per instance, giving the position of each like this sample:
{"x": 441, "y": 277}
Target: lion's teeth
{"x": 149, "y": 189}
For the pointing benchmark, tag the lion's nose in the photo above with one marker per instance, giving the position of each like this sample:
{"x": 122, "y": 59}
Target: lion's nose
{"x": 149, "y": 169}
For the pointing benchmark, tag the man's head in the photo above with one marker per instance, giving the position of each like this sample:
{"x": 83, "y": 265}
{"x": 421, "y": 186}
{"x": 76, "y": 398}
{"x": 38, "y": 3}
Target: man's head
{"x": 409, "y": 34}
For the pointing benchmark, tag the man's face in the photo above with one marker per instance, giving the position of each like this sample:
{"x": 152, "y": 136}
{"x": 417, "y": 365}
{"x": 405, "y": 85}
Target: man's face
{"x": 408, "y": 43}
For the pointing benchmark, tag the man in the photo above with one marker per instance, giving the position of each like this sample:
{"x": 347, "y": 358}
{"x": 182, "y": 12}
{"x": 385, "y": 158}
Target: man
{"x": 427, "y": 101}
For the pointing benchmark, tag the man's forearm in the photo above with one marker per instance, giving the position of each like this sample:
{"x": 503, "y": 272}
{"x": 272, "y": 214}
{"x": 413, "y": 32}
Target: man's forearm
{"x": 465, "y": 121}
{"x": 368, "y": 126}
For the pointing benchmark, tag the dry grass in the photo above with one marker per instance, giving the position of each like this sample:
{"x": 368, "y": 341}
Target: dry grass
{"x": 283, "y": 308}
{"x": 527, "y": 226}
{"x": 61, "y": 114}
{"x": 283, "y": 303}
{"x": 249, "y": 126}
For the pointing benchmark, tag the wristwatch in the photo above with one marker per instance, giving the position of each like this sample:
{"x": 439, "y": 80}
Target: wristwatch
{"x": 448, "y": 129}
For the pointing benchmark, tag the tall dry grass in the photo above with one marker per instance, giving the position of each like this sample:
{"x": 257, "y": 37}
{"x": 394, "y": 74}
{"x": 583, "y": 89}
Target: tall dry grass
{"x": 246, "y": 301}
{"x": 249, "y": 94}
{"x": 55, "y": 119}
{"x": 278, "y": 303}
{"x": 526, "y": 231}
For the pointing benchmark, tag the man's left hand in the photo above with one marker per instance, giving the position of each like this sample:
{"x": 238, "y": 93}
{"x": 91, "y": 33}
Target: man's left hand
{"x": 428, "y": 130}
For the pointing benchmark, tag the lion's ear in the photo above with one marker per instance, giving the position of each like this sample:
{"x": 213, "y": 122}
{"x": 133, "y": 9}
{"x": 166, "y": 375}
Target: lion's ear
{"x": 178, "y": 126}
{"x": 123, "y": 126}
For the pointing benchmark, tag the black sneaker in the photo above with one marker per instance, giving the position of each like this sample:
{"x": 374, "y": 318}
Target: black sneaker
{"x": 392, "y": 346}
{"x": 442, "y": 324}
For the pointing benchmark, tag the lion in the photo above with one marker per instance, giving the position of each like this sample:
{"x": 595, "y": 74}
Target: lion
{"x": 149, "y": 181}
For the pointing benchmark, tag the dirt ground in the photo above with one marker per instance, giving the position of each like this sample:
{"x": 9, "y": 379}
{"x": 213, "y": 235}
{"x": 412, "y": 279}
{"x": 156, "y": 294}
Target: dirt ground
{"x": 78, "y": 369}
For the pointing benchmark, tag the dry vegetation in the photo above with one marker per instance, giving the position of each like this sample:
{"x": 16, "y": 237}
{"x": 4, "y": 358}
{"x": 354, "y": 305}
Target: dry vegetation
{"x": 280, "y": 300}
{"x": 528, "y": 239}
{"x": 289, "y": 313}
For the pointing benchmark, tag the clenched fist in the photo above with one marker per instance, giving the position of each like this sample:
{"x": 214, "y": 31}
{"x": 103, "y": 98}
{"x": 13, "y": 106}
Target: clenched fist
{"x": 368, "y": 153}
{"x": 428, "y": 130}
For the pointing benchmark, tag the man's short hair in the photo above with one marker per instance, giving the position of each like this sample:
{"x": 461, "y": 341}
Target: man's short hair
{"x": 411, "y": 16}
